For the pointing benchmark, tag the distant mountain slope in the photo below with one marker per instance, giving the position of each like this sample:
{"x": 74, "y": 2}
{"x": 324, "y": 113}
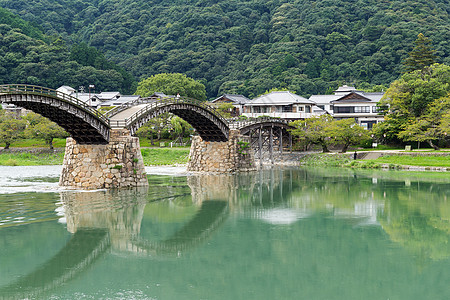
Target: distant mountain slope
{"x": 28, "y": 56}
{"x": 249, "y": 46}
{"x": 8, "y": 18}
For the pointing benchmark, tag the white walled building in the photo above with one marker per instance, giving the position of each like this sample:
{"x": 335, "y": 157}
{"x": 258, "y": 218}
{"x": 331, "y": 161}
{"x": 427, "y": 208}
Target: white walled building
{"x": 280, "y": 104}
{"x": 98, "y": 99}
{"x": 347, "y": 102}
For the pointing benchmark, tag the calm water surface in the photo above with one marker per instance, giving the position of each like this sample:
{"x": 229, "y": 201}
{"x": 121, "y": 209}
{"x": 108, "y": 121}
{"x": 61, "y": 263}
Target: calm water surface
{"x": 274, "y": 234}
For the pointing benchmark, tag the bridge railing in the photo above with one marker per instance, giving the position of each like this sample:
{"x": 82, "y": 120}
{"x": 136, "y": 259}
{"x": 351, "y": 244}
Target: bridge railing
{"x": 173, "y": 100}
{"x": 26, "y": 89}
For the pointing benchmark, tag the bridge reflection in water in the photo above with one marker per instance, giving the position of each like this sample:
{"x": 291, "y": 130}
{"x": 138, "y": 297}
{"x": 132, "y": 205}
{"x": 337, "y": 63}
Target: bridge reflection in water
{"x": 110, "y": 221}
{"x": 118, "y": 222}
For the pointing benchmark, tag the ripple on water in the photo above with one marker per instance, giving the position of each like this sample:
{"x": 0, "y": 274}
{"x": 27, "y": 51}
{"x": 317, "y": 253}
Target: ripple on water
{"x": 25, "y": 208}
{"x": 24, "y": 194}
{"x": 23, "y": 179}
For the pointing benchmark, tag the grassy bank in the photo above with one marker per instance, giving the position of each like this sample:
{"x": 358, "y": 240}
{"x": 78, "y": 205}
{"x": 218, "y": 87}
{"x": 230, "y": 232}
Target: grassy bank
{"x": 36, "y": 143}
{"x": 165, "y": 156}
{"x": 391, "y": 161}
{"x": 422, "y": 161}
{"x": 151, "y": 156}
{"x": 61, "y": 143}
{"x": 31, "y": 159}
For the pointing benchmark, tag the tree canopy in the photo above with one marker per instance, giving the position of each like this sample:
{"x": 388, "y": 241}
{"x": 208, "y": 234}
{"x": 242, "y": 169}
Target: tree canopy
{"x": 172, "y": 84}
{"x": 11, "y": 128}
{"x": 417, "y": 106}
{"x": 29, "y": 57}
{"x": 421, "y": 56}
{"x": 325, "y": 130}
{"x": 243, "y": 47}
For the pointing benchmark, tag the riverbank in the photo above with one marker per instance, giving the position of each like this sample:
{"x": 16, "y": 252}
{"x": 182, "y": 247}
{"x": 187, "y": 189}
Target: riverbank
{"x": 45, "y": 156}
{"x": 386, "y": 159}
{"x": 396, "y": 160}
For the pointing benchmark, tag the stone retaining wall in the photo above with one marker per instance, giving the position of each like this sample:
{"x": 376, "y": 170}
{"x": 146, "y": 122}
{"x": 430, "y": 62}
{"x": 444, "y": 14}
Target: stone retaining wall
{"x": 221, "y": 157}
{"x": 117, "y": 164}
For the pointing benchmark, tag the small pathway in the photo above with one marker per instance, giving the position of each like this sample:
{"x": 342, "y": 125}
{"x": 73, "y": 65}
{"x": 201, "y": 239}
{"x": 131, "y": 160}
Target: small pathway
{"x": 371, "y": 155}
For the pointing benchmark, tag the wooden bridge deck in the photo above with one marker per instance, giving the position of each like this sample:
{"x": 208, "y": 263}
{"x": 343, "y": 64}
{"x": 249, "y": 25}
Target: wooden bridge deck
{"x": 118, "y": 121}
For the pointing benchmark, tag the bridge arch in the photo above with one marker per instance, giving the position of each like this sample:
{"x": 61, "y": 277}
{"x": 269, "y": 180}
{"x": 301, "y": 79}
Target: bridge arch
{"x": 266, "y": 134}
{"x": 207, "y": 121}
{"x": 265, "y": 124}
{"x": 85, "y": 124}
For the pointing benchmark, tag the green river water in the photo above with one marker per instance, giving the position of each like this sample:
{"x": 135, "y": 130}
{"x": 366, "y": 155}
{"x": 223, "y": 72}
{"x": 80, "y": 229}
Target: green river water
{"x": 273, "y": 234}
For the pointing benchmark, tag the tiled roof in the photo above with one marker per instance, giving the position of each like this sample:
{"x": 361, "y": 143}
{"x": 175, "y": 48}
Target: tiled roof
{"x": 239, "y": 99}
{"x": 326, "y": 99}
{"x": 279, "y": 98}
{"x": 120, "y": 101}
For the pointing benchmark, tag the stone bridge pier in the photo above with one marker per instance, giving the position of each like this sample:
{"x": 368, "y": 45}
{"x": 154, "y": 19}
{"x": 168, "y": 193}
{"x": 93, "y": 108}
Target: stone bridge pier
{"x": 117, "y": 164}
{"x": 230, "y": 156}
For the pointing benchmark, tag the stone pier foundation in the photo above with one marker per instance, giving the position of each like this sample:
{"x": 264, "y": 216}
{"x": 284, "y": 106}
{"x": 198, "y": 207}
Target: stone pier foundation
{"x": 221, "y": 157}
{"x": 117, "y": 164}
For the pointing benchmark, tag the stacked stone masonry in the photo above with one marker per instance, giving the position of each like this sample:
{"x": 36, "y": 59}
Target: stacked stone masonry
{"x": 221, "y": 157}
{"x": 118, "y": 164}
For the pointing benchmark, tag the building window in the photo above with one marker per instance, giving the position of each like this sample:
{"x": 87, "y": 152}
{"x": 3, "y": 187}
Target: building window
{"x": 376, "y": 109}
{"x": 287, "y": 108}
{"x": 344, "y": 109}
{"x": 301, "y": 108}
{"x": 368, "y": 124}
{"x": 308, "y": 109}
{"x": 362, "y": 109}
{"x": 351, "y": 109}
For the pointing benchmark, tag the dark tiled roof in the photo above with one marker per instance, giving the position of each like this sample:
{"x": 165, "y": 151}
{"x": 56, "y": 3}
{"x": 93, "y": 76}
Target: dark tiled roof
{"x": 239, "y": 99}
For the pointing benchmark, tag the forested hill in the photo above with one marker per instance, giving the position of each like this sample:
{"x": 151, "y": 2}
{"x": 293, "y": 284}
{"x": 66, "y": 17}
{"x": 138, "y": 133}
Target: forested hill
{"x": 29, "y": 56}
{"x": 250, "y": 46}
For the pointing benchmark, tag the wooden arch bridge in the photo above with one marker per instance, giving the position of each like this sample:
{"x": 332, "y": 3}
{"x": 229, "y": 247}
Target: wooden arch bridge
{"x": 88, "y": 126}
{"x": 103, "y": 154}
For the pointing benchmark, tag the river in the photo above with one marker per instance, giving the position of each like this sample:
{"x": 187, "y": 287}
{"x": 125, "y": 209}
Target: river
{"x": 289, "y": 233}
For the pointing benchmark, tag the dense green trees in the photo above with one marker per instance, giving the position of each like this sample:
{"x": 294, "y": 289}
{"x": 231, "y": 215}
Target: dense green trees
{"x": 418, "y": 106}
{"x": 421, "y": 56}
{"x": 32, "y": 125}
{"x": 172, "y": 84}
{"x": 42, "y": 128}
{"x": 27, "y": 57}
{"x": 324, "y": 131}
{"x": 166, "y": 126}
{"x": 248, "y": 47}
{"x": 313, "y": 131}
{"x": 11, "y": 128}
{"x": 346, "y": 132}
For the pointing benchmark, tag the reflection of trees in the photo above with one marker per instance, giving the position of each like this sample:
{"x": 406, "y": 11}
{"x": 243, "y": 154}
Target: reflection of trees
{"x": 419, "y": 219}
{"x": 412, "y": 208}
{"x": 415, "y": 211}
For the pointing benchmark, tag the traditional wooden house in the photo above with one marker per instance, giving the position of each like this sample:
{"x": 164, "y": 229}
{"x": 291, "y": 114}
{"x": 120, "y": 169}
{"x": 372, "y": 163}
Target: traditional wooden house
{"x": 280, "y": 104}
{"x": 238, "y": 102}
{"x": 347, "y": 102}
